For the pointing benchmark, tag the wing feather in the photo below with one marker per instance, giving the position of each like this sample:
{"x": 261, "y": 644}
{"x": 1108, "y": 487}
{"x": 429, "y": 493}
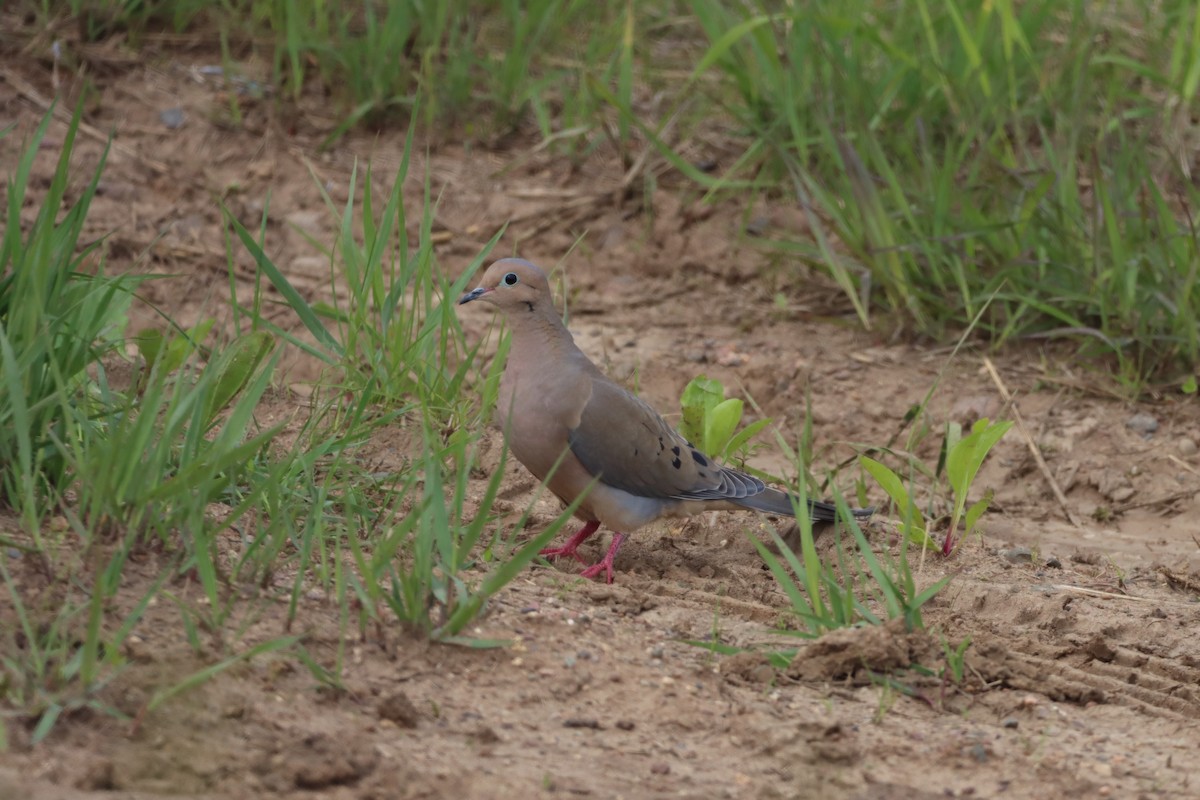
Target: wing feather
{"x": 623, "y": 439}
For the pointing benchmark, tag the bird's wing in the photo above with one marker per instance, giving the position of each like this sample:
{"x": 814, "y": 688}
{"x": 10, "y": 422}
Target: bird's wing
{"x": 624, "y": 441}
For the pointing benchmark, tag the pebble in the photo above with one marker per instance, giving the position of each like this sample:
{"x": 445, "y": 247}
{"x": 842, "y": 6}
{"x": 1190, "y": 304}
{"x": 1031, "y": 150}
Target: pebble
{"x": 578, "y": 722}
{"x": 660, "y": 768}
{"x": 1019, "y": 555}
{"x": 1121, "y": 494}
{"x": 1187, "y": 447}
{"x": 1053, "y": 563}
{"x": 136, "y": 649}
{"x": 1010, "y": 722}
{"x": 304, "y": 219}
{"x": 171, "y": 117}
{"x": 758, "y": 225}
{"x": 399, "y": 710}
{"x": 1142, "y": 423}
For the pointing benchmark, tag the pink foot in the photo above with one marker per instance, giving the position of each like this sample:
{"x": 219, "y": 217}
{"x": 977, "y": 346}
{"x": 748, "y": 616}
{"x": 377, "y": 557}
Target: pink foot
{"x": 569, "y": 549}
{"x": 606, "y": 564}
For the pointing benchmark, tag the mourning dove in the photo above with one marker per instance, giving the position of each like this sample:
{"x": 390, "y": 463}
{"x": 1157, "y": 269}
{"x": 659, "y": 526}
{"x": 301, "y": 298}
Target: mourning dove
{"x": 630, "y": 466}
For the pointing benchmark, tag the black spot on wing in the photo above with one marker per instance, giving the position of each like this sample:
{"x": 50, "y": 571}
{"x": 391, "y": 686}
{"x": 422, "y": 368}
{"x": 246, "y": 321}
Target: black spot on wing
{"x": 676, "y": 463}
{"x": 675, "y": 450}
{"x": 699, "y": 459}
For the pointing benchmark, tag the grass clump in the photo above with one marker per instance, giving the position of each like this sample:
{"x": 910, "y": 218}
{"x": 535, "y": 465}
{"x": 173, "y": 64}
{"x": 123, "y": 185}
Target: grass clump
{"x": 174, "y": 462}
{"x": 116, "y": 465}
{"x": 1021, "y": 154}
{"x": 56, "y": 320}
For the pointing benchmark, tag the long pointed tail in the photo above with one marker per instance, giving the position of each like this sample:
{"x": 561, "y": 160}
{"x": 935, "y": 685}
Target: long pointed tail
{"x": 773, "y": 501}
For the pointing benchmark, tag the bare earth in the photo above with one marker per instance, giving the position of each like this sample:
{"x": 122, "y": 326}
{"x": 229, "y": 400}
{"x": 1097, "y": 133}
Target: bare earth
{"x": 1084, "y": 670}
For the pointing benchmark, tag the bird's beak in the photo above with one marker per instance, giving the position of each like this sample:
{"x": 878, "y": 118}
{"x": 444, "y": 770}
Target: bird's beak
{"x": 474, "y": 294}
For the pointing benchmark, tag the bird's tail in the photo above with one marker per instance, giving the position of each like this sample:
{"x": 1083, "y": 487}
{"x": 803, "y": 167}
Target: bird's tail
{"x": 773, "y": 501}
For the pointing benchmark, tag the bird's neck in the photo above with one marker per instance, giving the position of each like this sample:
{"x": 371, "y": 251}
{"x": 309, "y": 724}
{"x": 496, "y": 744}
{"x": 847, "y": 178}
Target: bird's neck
{"x": 539, "y": 330}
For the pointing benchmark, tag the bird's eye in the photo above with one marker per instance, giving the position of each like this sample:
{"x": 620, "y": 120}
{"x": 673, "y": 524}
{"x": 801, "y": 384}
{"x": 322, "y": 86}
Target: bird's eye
{"x": 511, "y": 279}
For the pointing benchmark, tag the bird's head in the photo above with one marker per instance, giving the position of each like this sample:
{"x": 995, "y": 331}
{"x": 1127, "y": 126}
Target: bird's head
{"x": 511, "y": 284}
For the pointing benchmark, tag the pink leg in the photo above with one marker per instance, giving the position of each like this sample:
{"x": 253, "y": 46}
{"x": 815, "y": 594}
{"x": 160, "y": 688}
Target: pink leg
{"x": 572, "y": 544}
{"x": 606, "y": 565}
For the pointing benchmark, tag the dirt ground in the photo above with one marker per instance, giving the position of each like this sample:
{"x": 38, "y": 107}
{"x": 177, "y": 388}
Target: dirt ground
{"x": 1084, "y": 670}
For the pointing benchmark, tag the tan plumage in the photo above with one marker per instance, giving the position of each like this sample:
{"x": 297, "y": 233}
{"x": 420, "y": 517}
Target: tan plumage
{"x": 554, "y": 402}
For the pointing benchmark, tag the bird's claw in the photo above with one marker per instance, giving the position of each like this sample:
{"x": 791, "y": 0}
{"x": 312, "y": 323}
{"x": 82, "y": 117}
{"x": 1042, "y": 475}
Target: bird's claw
{"x": 594, "y": 570}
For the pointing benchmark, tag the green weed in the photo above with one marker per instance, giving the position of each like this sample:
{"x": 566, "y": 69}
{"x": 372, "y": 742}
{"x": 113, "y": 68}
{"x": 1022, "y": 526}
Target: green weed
{"x": 710, "y": 422}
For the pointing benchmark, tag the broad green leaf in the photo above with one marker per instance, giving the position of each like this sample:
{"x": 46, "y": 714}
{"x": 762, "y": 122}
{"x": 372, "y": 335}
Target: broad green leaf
{"x": 721, "y": 423}
{"x": 976, "y": 511}
{"x": 699, "y": 397}
{"x": 744, "y": 436}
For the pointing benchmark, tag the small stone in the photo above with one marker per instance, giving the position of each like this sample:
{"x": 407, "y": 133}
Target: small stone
{"x": 1100, "y": 650}
{"x": 660, "y": 768}
{"x": 171, "y": 117}
{"x": 1121, "y": 494}
{"x": 485, "y": 735}
{"x": 656, "y": 652}
{"x": 399, "y": 709}
{"x": 758, "y": 225}
{"x": 574, "y": 722}
{"x": 1010, "y": 722}
{"x": 1019, "y": 555}
{"x": 1187, "y": 447}
{"x": 625, "y": 724}
{"x": 1053, "y": 563}
{"x": 136, "y": 649}
{"x": 1142, "y": 423}
{"x": 763, "y": 673}
{"x": 304, "y": 219}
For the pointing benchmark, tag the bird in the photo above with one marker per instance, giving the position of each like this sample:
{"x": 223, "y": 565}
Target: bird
{"x": 581, "y": 433}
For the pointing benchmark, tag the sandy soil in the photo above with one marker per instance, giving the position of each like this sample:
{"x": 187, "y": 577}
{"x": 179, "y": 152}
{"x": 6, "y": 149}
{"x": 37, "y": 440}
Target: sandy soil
{"x": 1083, "y": 676}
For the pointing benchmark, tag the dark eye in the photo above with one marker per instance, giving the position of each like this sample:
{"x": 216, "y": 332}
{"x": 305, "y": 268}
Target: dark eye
{"x": 511, "y": 279}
